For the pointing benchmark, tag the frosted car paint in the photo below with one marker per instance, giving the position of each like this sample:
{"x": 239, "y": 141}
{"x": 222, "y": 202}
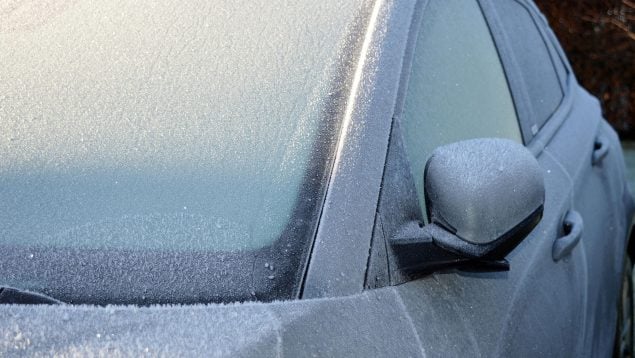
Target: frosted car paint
{"x": 527, "y": 310}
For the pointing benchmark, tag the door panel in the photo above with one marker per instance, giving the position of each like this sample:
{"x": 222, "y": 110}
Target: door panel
{"x": 527, "y": 311}
{"x": 538, "y": 307}
{"x": 598, "y": 192}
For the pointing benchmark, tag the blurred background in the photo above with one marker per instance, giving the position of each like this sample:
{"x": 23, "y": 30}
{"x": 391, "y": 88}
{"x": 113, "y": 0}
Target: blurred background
{"x": 599, "y": 38}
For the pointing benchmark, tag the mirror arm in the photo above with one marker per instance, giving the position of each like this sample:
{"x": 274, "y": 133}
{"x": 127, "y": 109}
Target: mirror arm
{"x": 432, "y": 248}
{"x": 418, "y": 251}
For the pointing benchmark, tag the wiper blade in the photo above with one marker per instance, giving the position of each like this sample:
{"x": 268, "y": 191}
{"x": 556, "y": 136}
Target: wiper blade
{"x": 10, "y": 295}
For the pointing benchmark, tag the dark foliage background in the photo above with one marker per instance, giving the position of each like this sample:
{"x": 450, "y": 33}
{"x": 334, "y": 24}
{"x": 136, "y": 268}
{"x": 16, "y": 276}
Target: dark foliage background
{"x": 599, "y": 38}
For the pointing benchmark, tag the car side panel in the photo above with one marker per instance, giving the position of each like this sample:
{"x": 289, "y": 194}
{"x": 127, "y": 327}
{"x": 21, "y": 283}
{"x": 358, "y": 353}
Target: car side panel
{"x": 599, "y": 192}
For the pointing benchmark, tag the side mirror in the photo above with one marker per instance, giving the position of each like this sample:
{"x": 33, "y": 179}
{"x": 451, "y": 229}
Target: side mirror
{"x": 483, "y": 197}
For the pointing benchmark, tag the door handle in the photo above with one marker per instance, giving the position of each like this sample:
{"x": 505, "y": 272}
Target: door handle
{"x": 600, "y": 150}
{"x": 572, "y": 225}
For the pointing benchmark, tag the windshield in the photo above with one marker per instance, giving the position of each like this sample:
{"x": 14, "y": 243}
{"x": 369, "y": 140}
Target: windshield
{"x": 166, "y": 151}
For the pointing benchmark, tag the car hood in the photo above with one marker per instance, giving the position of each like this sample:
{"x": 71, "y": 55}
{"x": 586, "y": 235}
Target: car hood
{"x": 368, "y": 324}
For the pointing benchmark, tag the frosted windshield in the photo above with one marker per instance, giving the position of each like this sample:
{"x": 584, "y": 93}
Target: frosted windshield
{"x": 161, "y": 125}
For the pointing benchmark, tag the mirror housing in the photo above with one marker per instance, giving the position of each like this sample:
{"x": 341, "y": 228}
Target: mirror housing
{"x": 483, "y": 197}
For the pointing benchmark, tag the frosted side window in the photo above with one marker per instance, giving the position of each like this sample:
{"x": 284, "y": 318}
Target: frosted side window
{"x": 539, "y": 74}
{"x": 457, "y": 88}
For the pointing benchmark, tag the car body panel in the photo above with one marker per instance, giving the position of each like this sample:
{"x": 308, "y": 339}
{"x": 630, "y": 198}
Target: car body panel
{"x": 370, "y": 324}
{"x": 599, "y": 192}
{"x": 539, "y": 307}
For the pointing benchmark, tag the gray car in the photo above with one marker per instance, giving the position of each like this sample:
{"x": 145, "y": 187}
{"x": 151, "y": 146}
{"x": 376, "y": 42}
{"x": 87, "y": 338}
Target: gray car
{"x": 317, "y": 178}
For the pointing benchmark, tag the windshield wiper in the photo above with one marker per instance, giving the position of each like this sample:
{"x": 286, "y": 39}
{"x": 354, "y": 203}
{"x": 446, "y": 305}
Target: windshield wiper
{"x": 10, "y": 295}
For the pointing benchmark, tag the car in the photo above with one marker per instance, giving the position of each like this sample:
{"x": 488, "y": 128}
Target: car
{"x": 360, "y": 178}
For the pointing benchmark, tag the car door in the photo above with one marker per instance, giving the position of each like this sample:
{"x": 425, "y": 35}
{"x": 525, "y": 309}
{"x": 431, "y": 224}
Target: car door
{"x": 589, "y": 149}
{"x": 464, "y": 79}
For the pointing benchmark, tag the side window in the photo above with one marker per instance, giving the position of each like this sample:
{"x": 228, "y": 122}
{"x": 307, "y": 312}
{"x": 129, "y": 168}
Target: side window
{"x": 457, "y": 88}
{"x": 532, "y": 55}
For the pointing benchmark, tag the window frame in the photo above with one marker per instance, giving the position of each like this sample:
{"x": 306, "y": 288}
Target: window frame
{"x": 377, "y": 269}
{"x": 532, "y": 134}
